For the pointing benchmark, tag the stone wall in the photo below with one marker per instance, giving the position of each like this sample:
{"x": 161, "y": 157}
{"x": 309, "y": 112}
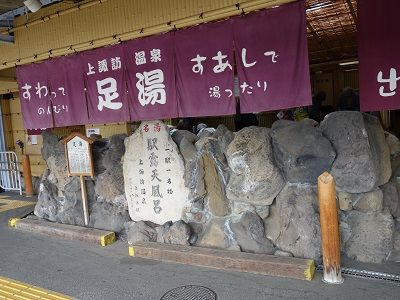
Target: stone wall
{"x": 252, "y": 190}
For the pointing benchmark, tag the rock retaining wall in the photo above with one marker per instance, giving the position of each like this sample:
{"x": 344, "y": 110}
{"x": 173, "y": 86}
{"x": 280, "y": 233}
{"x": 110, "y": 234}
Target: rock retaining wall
{"x": 252, "y": 190}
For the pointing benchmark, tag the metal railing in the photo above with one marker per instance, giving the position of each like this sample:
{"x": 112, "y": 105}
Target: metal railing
{"x": 10, "y": 176}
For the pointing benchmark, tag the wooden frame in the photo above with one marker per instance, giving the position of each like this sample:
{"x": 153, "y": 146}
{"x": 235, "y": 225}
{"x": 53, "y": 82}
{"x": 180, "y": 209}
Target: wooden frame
{"x": 87, "y": 140}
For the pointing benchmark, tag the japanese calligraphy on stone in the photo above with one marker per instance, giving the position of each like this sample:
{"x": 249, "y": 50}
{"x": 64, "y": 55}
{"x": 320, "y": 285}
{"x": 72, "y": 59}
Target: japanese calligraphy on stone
{"x": 153, "y": 174}
{"x": 78, "y": 156}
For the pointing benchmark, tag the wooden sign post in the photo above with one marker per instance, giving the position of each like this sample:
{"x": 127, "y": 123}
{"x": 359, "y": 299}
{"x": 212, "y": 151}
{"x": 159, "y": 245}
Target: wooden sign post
{"x": 329, "y": 228}
{"x": 78, "y": 152}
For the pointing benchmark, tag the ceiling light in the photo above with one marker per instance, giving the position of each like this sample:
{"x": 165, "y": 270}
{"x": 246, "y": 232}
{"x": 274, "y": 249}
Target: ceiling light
{"x": 347, "y": 63}
{"x": 319, "y": 6}
{"x": 33, "y": 5}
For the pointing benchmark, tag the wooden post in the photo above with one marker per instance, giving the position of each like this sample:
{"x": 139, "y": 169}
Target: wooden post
{"x": 329, "y": 228}
{"x": 26, "y": 166}
{"x": 84, "y": 200}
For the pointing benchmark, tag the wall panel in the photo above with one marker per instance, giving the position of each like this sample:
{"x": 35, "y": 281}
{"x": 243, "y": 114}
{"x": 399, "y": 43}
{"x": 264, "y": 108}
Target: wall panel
{"x": 102, "y": 20}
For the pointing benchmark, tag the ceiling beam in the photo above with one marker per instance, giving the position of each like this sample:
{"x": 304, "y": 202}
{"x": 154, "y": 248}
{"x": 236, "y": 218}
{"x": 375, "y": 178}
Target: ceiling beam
{"x": 352, "y": 11}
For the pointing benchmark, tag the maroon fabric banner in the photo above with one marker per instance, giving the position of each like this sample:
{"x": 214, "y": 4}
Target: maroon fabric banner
{"x": 105, "y": 84}
{"x": 272, "y": 58}
{"x": 151, "y": 77}
{"x": 67, "y": 91}
{"x": 35, "y": 96}
{"x": 379, "y": 55}
{"x": 204, "y": 57}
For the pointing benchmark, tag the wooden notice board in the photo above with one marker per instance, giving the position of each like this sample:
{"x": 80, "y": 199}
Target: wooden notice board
{"x": 78, "y": 152}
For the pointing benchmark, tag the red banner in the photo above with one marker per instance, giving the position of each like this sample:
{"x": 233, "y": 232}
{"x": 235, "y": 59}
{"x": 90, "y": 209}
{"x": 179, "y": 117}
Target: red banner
{"x": 151, "y": 77}
{"x": 67, "y": 91}
{"x": 187, "y": 73}
{"x": 35, "y": 96}
{"x": 105, "y": 84}
{"x": 205, "y": 64}
{"x": 272, "y": 58}
{"x": 379, "y": 55}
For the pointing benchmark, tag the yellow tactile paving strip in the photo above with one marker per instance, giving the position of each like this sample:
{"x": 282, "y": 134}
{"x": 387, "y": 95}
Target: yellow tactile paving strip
{"x": 13, "y": 290}
{"x": 6, "y": 204}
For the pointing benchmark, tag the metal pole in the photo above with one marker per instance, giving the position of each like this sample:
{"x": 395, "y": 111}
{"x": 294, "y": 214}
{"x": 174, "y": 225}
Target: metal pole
{"x": 26, "y": 166}
{"x": 84, "y": 200}
{"x": 329, "y": 229}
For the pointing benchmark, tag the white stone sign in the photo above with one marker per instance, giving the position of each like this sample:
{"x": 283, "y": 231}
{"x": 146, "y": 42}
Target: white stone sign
{"x": 79, "y": 159}
{"x": 154, "y": 175}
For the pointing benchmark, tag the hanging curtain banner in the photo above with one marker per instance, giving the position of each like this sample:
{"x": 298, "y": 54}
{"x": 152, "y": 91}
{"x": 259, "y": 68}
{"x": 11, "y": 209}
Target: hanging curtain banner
{"x": 105, "y": 84}
{"x": 151, "y": 77}
{"x": 205, "y": 63}
{"x": 35, "y": 96}
{"x": 379, "y": 55}
{"x": 67, "y": 91}
{"x": 272, "y": 58}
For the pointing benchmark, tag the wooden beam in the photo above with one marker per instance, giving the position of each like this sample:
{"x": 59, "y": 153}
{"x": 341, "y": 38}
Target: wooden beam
{"x": 70, "y": 232}
{"x": 352, "y": 11}
{"x": 8, "y": 79}
{"x": 263, "y": 264}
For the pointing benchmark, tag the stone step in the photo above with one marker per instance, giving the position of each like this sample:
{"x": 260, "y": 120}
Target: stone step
{"x": 70, "y": 232}
{"x": 263, "y": 264}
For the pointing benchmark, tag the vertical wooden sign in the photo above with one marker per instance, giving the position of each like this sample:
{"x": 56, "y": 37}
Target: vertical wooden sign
{"x": 78, "y": 152}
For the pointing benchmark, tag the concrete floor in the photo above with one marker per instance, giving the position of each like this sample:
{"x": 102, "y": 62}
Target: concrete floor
{"x": 91, "y": 272}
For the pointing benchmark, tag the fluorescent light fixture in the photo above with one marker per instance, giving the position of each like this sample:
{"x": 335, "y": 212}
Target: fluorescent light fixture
{"x": 319, "y": 6}
{"x": 33, "y": 5}
{"x": 347, "y": 63}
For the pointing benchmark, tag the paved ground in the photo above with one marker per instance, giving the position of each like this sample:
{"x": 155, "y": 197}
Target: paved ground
{"x": 91, "y": 272}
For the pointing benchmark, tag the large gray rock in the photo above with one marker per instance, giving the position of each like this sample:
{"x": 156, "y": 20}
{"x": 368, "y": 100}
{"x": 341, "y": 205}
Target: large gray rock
{"x": 301, "y": 151}
{"x": 50, "y": 145}
{"x": 371, "y": 236}
{"x": 53, "y": 153}
{"x": 110, "y": 183}
{"x": 249, "y": 234}
{"x": 71, "y": 208}
{"x": 194, "y": 170}
{"x": 224, "y": 137}
{"x": 216, "y": 176}
{"x": 47, "y": 205}
{"x": 36, "y": 184}
{"x": 345, "y": 201}
{"x": 394, "y": 145}
{"x": 177, "y": 233}
{"x": 293, "y": 224}
{"x": 362, "y": 154}
{"x": 216, "y": 234}
{"x": 255, "y": 178}
{"x": 178, "y": 135}
{"x": 106, "y": 216}
{"x": 140, "y": 232}
{"x": 67, "y": 209}
{"x": 396, "y": 237}
{"x": 365, "y": 202}
{"x": 107, "y": 152}
{"x": 369, "y": 202}
{"x": 391, "y": 197}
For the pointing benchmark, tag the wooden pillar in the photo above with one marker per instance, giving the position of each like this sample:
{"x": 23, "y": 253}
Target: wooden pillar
{"x": 26, "y": 166}
{"x": 329, "y": 228}
{"x": 84, "y": 200}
